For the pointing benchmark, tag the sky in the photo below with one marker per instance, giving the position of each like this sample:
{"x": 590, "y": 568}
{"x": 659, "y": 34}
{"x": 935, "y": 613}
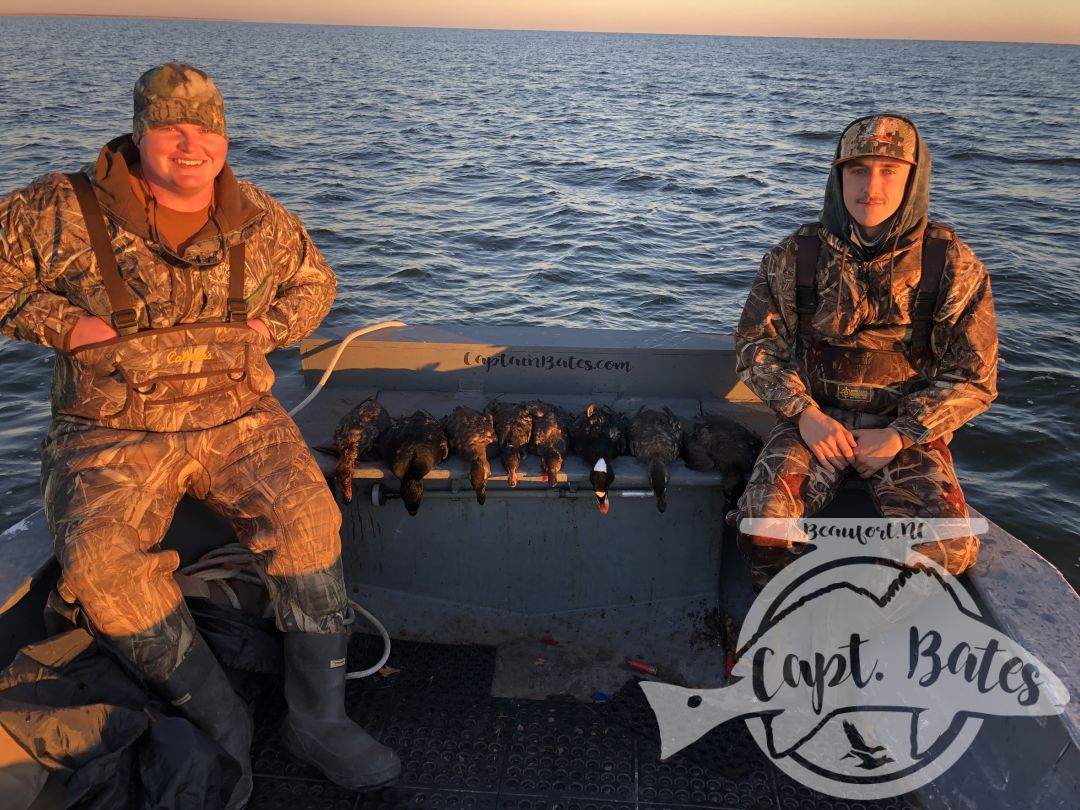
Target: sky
{"x": 1005, "y": 20}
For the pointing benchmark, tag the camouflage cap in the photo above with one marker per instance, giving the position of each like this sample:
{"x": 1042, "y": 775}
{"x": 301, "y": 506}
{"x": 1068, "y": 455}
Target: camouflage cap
{"x": 879, "y": 136}
{"x": 177, "y": 93}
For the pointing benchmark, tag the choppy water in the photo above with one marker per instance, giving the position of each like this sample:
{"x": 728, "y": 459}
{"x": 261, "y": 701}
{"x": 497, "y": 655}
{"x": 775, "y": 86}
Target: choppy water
{"x": 599, "y": 180}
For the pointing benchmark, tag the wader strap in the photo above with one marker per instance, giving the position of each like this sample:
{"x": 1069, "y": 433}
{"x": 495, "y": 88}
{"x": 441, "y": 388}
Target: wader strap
{"x": 805, "y": 292}
{"x": 933, "y": 265}
{"x": 124, "y": 319}
{"x": 235, "y": 306}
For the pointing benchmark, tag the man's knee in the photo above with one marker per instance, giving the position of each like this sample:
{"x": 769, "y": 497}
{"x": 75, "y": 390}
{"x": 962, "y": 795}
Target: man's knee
{"x": 765, "y": 557}
{"x": 303, "y": 532}
{"x": 123, "y": 589}
{"x": 955, "y": 555}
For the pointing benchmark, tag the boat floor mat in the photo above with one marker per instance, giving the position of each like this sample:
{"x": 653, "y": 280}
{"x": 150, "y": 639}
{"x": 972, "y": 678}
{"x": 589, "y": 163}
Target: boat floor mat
{"x": 463, "y": 749}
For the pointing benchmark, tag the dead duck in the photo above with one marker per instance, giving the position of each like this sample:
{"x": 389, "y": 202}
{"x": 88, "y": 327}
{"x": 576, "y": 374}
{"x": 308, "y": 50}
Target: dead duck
{"x": 356, "y": 435}
{"x": 472, "y": 436}
{"x": 655, "y": 441}
{"x": 513, "y": 428}
{"x": 717, "y": 442}
{"x": 411, "y": 448}
{"x": 599, "y": 435}
{"x": 550, "y": 438}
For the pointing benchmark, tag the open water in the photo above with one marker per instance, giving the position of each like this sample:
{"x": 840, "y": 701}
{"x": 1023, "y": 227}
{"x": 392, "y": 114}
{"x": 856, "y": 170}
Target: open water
{"x": 598, "y": 180}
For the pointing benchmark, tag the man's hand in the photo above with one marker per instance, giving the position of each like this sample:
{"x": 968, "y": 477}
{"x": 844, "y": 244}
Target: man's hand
{"x": 89, "y": 329}
{"x": 875, "y": 448}
{"x": 831, "y": 443}
{"x": 261, "y": 328}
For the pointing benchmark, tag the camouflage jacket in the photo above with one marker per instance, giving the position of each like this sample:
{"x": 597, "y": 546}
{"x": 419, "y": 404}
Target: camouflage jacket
{"x": 49, "y": 277}
{"x": 868, "y": 304}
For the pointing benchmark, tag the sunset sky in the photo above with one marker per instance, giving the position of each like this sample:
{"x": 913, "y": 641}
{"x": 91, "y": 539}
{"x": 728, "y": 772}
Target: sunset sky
{"x": 1030, "y": 21}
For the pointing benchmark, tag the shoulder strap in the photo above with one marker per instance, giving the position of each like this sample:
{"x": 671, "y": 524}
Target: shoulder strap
{"x": 236, "y": 306}
{"x": 805, "y": 272}
{"x": 934, "y": 253}
{"x": 124, "y": 319}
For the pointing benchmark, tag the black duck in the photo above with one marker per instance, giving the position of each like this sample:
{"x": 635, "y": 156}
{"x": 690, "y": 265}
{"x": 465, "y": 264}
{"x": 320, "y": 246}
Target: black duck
{"x": 655, "y": 441}
{"x": 513, "y": 428}
{"x": 550, "y": 438}
{"x": 472, "y": 436}
{"x": 411, "y": 448}
{"x": 357, "y": 435}
{"x": 719, "y": 443}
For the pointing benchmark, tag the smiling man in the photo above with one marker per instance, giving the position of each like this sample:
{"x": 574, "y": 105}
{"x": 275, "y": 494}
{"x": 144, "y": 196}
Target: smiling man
{"x": 161, "y": 282}
{"x": 871, "y": 334}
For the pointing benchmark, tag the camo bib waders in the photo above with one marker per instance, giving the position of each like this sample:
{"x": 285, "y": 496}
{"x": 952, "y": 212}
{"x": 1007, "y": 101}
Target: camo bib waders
{"x": 149, "y": 416}
{"x": 860, "y": 388}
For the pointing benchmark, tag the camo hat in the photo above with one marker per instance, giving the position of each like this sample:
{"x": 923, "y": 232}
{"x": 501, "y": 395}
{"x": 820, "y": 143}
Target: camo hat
{"x": 177, "y": 94}
{"x": 879, "y": 136}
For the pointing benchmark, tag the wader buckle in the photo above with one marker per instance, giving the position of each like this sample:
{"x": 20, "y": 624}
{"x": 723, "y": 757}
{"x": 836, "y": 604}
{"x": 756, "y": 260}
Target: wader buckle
{"x": 125, "y": 320}
{"x": 235, "y": 310}
{"x": 805, "y": 299}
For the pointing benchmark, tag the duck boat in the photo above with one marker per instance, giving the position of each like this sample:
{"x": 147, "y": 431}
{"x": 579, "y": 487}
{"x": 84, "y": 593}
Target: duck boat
{"x": 519, "y": 628}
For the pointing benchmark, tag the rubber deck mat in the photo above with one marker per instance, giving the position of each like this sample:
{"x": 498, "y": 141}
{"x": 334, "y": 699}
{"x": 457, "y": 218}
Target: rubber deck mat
{"x": 465, "y": 750}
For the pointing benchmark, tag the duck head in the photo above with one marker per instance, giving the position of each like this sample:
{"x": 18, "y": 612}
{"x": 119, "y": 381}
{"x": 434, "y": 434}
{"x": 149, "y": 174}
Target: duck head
{"x": 511, "y": 459}
{"x": 601, "y": 478}
{"x": 551, "y": 468}
{"x": 412, "y": 492}
{"x": 659, "y": 477}
{"x": 479, "y": 472}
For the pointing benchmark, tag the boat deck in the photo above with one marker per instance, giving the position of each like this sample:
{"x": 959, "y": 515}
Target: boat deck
{"x": 462, "y": 748}
{"x": 483, "y": 712}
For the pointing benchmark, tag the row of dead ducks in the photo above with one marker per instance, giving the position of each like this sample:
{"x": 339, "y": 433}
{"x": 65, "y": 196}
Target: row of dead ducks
{"x": 411, "y": 446}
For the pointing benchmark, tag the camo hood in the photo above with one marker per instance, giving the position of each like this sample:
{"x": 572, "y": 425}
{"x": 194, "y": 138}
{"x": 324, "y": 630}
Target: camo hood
{"x": 231, "y": 215}
{"x": 909, "y": 221}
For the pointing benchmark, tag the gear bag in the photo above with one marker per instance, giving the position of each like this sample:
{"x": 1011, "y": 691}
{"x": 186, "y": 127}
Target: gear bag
{"x": 185, "y": 377}
{"x": 868, "y": 380}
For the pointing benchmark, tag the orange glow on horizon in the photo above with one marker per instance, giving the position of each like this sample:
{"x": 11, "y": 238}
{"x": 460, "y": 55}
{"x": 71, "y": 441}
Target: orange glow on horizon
{"x": 1033, "y": 21}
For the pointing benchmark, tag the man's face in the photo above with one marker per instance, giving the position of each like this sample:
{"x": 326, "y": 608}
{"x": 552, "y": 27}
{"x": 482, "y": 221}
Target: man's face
{"x": 182, "y": 159}
{"x": 873, "y": 189}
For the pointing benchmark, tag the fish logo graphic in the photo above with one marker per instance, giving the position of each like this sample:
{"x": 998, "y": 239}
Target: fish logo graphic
{"x": 864, "y": 668}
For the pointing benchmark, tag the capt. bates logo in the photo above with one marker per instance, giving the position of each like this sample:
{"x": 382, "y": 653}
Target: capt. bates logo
{"x": 864, "y": 668}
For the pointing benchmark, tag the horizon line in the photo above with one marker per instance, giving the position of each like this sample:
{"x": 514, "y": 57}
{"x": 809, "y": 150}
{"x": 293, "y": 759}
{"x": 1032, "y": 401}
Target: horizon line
{"x": 522, "y": 30}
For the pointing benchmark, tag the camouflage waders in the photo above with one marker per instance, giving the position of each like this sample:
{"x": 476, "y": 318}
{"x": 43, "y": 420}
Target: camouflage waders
{"x": 148, "y": 416}
{"x": 789, "y": 482}
{"x": 110, "y": 496}
{"x": 860, "y": 387}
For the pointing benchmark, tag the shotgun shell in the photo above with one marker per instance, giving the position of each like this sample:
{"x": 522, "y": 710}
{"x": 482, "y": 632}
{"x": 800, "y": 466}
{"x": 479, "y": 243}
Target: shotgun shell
{"x": 641, "y": 666}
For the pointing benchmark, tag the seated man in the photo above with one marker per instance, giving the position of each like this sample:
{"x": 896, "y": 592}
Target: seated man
{"x": 161, "y": 281}
{"x": 895, "y": 347}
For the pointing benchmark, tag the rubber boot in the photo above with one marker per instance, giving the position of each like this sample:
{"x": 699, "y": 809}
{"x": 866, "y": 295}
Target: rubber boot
{"x": 201, "y": 692}
{"x": 316, "y": 729}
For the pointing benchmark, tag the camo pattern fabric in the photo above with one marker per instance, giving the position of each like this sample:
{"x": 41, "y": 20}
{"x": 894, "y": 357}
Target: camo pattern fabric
{"x": 879, "y": 136}
{"x": 869, "y": 305}
{"x": 789, "y": 482}
{"x": 179, "y": 378}
{"x": 49, "y": 277}
{"x": 110, "y": 496}
{"x": 177, "y": 94}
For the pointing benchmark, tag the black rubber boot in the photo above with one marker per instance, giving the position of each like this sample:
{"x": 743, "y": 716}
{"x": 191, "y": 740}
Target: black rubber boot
{"x": 200, "y": 690}
{"x": 316, "y": 729}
